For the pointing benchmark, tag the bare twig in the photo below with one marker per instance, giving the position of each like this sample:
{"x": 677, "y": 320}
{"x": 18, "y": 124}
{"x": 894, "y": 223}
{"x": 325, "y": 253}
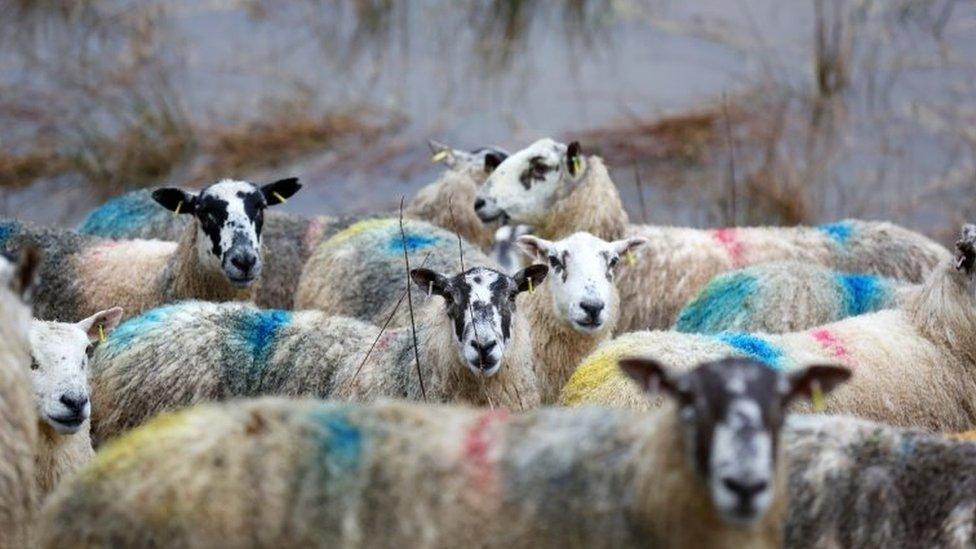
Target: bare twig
{"x": 389, "y": 318}
{"x": 640, "y": 193}
{"x": 731, "y": 145}
{"x": 450, "y": 207}
{"x": 413, "y": 324}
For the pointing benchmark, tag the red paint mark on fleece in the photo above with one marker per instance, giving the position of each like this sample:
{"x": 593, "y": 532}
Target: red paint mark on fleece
{"x": 313, "y": 233}
{"x": 477, "y": 446}
{"x": 729, "y": 239}
{"x": 832, "y": 344}
{"x": 100, "y": 249}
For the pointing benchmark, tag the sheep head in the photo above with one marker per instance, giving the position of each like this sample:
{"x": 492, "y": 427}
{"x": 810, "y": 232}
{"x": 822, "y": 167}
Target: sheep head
{"x": 582, "y": 285}
{"x": 59, "y": 367}
{"x": 229, "y": 215}
{"x": 480, "y": 302}
{"x": 524, "y": 186}
{"x": 483, "y": 160}
{"x": 731, "y": 412}
{"x": 966, "y": 249}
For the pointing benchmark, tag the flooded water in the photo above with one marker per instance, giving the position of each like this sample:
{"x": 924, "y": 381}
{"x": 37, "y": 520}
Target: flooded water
{"x": 897, "y": 143}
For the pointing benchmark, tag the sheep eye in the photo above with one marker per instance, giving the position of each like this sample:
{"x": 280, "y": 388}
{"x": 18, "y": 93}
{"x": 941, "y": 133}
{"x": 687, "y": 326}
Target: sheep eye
{"x": 34, "y": 364}
{"x": 613, "y": 261}
{"x": 89, "y": 350}
{"x": 554, "y": 262}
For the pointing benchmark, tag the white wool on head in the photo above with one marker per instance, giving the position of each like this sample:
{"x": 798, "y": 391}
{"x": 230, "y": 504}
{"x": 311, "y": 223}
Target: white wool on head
{"x": 525, "y": 185}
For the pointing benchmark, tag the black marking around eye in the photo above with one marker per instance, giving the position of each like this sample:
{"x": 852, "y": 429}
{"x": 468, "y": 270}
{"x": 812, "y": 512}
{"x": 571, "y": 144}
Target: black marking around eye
{"x": 535, "y": 172}
{"x": 501, "y": 290}
{"x": 212, "y": 215}
{"x": 254, "y": 204}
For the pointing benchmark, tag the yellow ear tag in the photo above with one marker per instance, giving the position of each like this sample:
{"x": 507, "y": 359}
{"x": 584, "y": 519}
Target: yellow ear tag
{"x": 281, "y": 199}
{"x": 531, "y": 288}
{"x": 630, "y": 258}
{"x": 101, "y": 333}
{"x": 817, "y": 397}
{"x": 176, "y": 212}
{"x": 430, "y": 289}
{"x": 576, "y": 165}
{"x": 438, "y": 156}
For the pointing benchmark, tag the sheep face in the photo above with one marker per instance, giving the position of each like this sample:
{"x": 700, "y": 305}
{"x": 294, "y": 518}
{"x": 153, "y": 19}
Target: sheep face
{"x": 230, "y": 215}
{"x": 527, "y": 183}
{"x": 481, "y": 304}
{"x": 731, "y": 412}
{"x": 59, "y": 367}
{"x": 582, "y": 283}
{"x": 483, "y": 160}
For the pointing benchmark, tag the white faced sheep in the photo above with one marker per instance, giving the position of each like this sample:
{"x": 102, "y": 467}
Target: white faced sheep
{"x": 915, "y": 366}
{"x": 557, "y": 190}
{"x": 854, "y": 483}
{"x": 218, "y": 258}
{"x": 59, "y": 375}
{"x": 284, "y": 473}
{"x": 473, "y": 347}
{"x": 786, "y": 296}
{"x": 18, "y": 419}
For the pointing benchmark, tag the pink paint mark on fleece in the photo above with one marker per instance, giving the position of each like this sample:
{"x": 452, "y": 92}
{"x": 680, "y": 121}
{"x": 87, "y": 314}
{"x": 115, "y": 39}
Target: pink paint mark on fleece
{"x": 313, "y": 233}
{"x": 833, "y": 345}
{"x": 729, "y": 239}
{"x": 100, "y": 249}
{"x": 480, "y": 461}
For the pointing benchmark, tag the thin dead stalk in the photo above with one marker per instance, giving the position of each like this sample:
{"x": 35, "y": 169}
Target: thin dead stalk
{"x": 413, "y": 323}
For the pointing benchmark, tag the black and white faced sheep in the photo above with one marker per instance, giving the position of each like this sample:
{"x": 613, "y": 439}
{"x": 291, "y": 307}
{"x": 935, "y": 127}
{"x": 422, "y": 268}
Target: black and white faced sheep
{"x": 915, "y": 366}
{"x": 557, "y": 190}
{"x": 704, "y": 472}
{"x": 473, "y": 345}
{"x": 18, "y": 419}
{"x": 218, "y": 258}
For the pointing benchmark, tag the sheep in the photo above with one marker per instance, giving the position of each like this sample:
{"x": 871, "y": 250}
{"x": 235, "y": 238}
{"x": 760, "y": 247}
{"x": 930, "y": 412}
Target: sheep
{"x": 218, "y": 258}
{"x": 18, "y": 419}
{"x": 557, "y": 190}
{"x": 855, "y": 483}
{"x": 577, "y": 308}
{"x": 786, "y": 296}
{"x": 59, "y": 376}
{"x": 286, "y": 473}
{"x": 916, "y": 365}
{"x": 359, "y": 272}
{"x": 473, "y": 347}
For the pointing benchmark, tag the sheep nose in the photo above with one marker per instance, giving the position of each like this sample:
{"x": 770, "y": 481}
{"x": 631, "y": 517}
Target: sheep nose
{"x": 479, "y": 203}
{"x": 74, "y": 403}
{"x": 592, "y": 309}
{"x": 744, "y": 489}
{"x": 484, "y": 349}
{"x": 244, "y": 262}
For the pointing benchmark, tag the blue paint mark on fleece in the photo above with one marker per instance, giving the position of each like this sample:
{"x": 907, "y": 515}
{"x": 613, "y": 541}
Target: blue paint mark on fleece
{"x": 8, "y": 229}
{"x": 337, "y": 442}
{"x": 718, "y": 304}
{"x": 119, "y": 216}
{"x": 255, "y": 330}
{"x": 414, "y": 242}
{"x": 862, "y": 293}
{"x": 754, "y": 347}
{"x": 840, "y": 231}
{"x": 129, "y": 332}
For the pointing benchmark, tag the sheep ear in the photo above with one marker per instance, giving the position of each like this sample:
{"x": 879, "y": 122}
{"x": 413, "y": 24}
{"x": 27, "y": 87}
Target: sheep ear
{"x": 530, "y": 277}
{"x": 108, "y": 320}
{"x": 26, "y": 273}
{"x": 574, "y": 159}
{"x": 493, "y": 159}
{"x": 281, "y": 190}
{"x": 533, "y": 246}
{"x": 966, "y": 249}
{"x": 431, "y": 282}
{"x": 807, "y": 382}
{"x": 439, "y": 152}
{"x": 176, "y": 200}
{"x": 650, "y": 375}
{"x": 628, "y": 245}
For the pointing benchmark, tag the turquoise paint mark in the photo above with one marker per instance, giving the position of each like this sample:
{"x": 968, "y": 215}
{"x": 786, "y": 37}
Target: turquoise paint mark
{"x": 8, "y": 229}
{"x": 413, "y": 241}
{"x": 862, "y": 293}
{"x": 338, "y": 443}
{"x": 718, "y": 304}
{"x": 119, "y": 216}
{"x": 754, "y": 347}
{"x": 256, "y": 330}
{"x": 840, "y": 231}
{"x": 131, "y": 331}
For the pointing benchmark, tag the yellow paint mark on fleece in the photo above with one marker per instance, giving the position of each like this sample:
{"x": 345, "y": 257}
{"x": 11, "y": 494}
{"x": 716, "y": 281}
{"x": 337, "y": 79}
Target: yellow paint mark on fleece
{"x": 969, "y": 436}
{"x": 600, "y": 368}
{"x": 123, "y": 452}
{"x": 359, "y": 228}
